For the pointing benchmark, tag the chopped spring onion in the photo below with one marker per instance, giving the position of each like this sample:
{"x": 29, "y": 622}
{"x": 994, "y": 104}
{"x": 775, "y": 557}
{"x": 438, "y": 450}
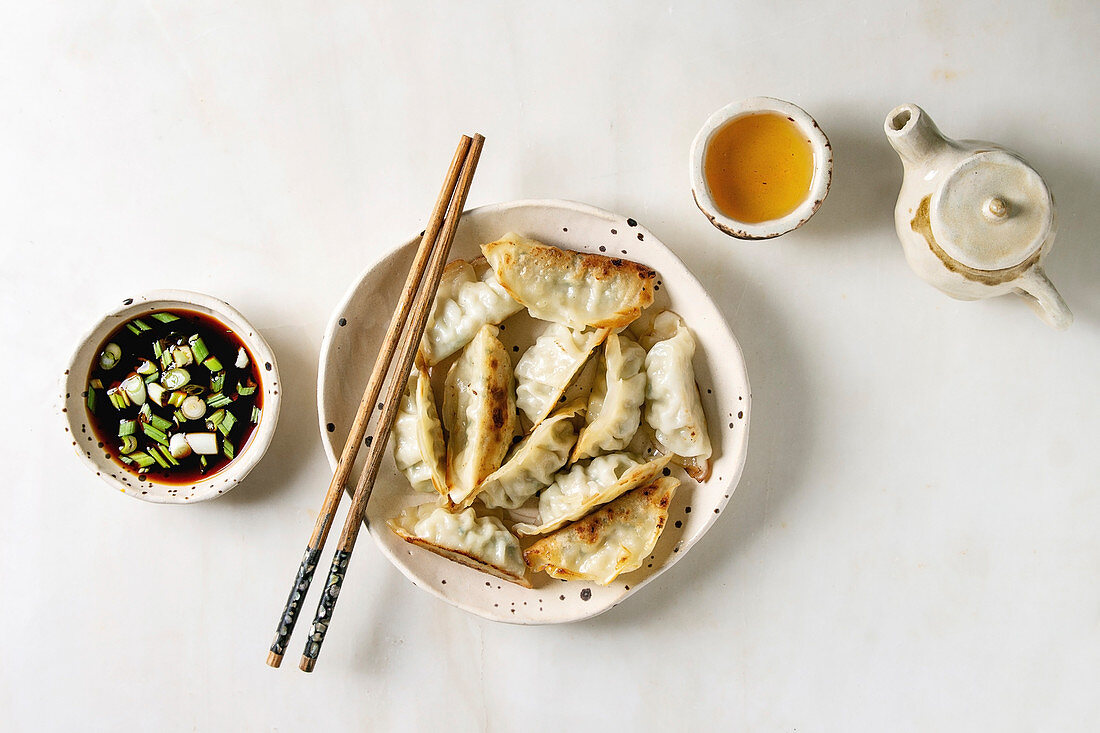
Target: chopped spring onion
{"x": 244, "y": 390}
{"x": 165, "y": 317}
{"x": 145, "y": 412}
{"x": 227, "y": 449}
{"x": 194, "y": 389}
{"x": 177, "y": 398}
{"x": 127, "y": 427}
{"x": 217, "y": 381}
{"x": 179, "y": 417}
{"x": 154, "y": 433}
{"x": 90, "y": 402}
{"x": 166, "y": 359}
{"x": 242, "y": 358}
{"x": 218, "y": 400}
{"x": 168, "y": 456}
{"x": 127, "y": 460}
{"x": 146, "y": 367}
{"x": 134, "y": 387}
{"x": 112, "y": 352}
{"x": 156, "y": 393}
{"x": 227, "y": 424}
{"x": 215, "y": 419}
{"x": 212, "y": 363}
{"x": 141, "y": 325}
{"x": 150, "y": 378}
{"x": 96, "y": 383}
{"x": 133, "y": 329}
{"x": 178, "y": 447}
{"x": 158, "y": 348}
{"x": 159, "y": 422}
{"x": 193, "y": 408}
{"x": 158, "y": 457}
{"x": 255, "y": 415}
{"x": 129, "y": 444}
{"x": 182, "y": 356}
{"x": 140, "y": 457}
{"x": 202, "y": 461}
{"x": 176, "y": 378}
{"x": 198, "y": 347}
{"x": 205, "y": 444}
{"x": 118, "y": 398}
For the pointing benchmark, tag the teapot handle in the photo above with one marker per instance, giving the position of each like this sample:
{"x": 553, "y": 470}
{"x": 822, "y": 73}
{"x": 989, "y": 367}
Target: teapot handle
{"x": 1040, "y": 294}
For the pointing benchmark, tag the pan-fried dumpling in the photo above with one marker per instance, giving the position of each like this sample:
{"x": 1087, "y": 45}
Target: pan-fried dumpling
{"x": 588, "y": 484}
{"x": 469, "y": 296}
{"x": 481, "y": 543}
{"x": 479, "y": 413}
{"x": 569, "y": 287}
{"x": 673, "y": 407}
{"x": 418, "y": 446}
{"x": 549, "y": 365}
{"x": 531, "y": 465}
{"x": 609, "y": 542}
{"x": 615, "y": 405}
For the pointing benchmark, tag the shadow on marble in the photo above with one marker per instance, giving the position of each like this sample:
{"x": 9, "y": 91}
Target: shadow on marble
{"x": 296, "y": 435}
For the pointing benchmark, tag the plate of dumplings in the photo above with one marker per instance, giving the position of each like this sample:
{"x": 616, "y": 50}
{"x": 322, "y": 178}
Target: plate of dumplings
{"x": 577, "y": 417}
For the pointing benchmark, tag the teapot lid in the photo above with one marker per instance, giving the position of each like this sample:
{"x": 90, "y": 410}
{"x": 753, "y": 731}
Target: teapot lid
{"x": 993, "y": 211}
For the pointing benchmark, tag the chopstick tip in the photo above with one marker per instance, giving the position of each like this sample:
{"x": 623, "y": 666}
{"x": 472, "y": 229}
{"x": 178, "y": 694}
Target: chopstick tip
{"x": 274, "y": 660}
{"x": 307, "y": 664}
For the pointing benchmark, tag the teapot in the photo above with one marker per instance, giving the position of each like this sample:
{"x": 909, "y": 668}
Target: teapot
{"x": 974, "y": 219}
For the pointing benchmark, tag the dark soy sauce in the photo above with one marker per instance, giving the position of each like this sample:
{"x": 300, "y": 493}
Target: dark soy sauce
{"x": 223, "y": 344}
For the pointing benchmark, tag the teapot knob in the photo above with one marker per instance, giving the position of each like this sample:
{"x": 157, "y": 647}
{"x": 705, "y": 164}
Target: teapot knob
{"x": 995, "y": 209}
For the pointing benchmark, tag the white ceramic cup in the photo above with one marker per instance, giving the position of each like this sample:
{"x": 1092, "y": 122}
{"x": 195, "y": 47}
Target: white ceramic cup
{"x": 819, "y": 185}
{"x": 80, "y": 433}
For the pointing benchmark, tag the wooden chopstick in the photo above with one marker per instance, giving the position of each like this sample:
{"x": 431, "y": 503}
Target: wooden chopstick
{"x": 336, "y": 486}
{"x": 398, "y": 380}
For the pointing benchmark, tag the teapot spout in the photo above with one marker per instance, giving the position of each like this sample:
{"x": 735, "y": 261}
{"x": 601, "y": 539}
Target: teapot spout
{"x": 914, "y": 135}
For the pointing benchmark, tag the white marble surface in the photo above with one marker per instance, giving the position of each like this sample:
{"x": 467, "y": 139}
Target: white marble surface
{"x": 914, "y": 543}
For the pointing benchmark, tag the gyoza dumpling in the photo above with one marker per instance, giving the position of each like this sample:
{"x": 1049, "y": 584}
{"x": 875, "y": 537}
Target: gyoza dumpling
{"x": 418, "y": 447}
{"x": 569, "y": 287}
{"x": 673, "y": 407}
{"x": 588, "y": 484}
{"x": 481, "y": 543}
{"x": 615, "y": 405}
{"x": 479, "y": 413}
{"x": 469, "y": 297}
{"x": 609, "y": 542}
{"x": 531, "y": 465}
{"x": 549, "y": 365}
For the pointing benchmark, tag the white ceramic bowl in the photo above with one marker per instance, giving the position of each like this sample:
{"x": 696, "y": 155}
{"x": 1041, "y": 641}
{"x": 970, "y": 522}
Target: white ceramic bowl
{"x": 74, "y": 410}
{"x": 351, "y": 342}
{"x": 819, "y": 185}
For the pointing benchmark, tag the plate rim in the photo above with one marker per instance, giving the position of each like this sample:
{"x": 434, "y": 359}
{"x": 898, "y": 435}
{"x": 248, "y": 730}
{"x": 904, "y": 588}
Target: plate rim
{"x": 732, "y": 482}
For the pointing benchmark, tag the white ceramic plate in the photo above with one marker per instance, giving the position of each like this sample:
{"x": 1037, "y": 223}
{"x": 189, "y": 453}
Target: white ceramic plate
{"x": 351, "y": 342}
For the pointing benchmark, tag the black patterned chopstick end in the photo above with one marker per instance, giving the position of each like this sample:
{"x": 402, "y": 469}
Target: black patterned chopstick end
{"x": 294, "y": 602}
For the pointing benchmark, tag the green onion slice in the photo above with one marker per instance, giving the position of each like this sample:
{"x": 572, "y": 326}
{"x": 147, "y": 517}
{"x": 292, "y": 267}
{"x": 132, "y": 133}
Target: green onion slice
{"x": 90, "y": 401}
{"x": 217, "y": 381}
{"x": 159, "y": 422}
{"x": 154, "y": 433}
{"x": 156, "y": 393}
{"x": 212, "y": 363}
{"x": 244, "y": 390}
{"x": 198, "y": 347}
{"x": 127, "y": 427}
{"x": 176, "y": 378}
{"x": 255, "y": 415}
{"x": 165, "y": 317}
{"x": 129, "y": 444}
{"x": 193, "y": 408}
{"x": 112, "y": 352}
{"x": 140, "y": 457}
{"x": 134, "y": 387}
{"x": 242, "y": 358}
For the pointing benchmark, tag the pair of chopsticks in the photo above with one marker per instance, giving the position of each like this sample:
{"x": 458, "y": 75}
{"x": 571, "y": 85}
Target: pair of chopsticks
{"x": 417, "y": 296}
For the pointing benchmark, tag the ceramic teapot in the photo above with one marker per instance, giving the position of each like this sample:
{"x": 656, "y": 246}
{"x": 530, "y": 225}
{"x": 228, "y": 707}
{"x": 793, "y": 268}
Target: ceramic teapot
{"x": 974, "y": 219}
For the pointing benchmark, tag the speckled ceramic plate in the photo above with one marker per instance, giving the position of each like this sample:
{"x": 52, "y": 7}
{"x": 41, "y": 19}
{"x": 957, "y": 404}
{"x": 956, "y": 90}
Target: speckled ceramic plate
{"x": 351, "y": 342}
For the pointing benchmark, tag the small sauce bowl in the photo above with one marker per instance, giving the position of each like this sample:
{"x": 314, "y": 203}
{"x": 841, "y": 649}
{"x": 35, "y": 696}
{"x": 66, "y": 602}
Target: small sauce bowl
{"x": 80, "y": 433}
{"x": 819, "y": 185}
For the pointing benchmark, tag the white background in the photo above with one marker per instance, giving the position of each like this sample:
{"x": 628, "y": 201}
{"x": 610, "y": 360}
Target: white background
{"x": 915, "y": 543}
